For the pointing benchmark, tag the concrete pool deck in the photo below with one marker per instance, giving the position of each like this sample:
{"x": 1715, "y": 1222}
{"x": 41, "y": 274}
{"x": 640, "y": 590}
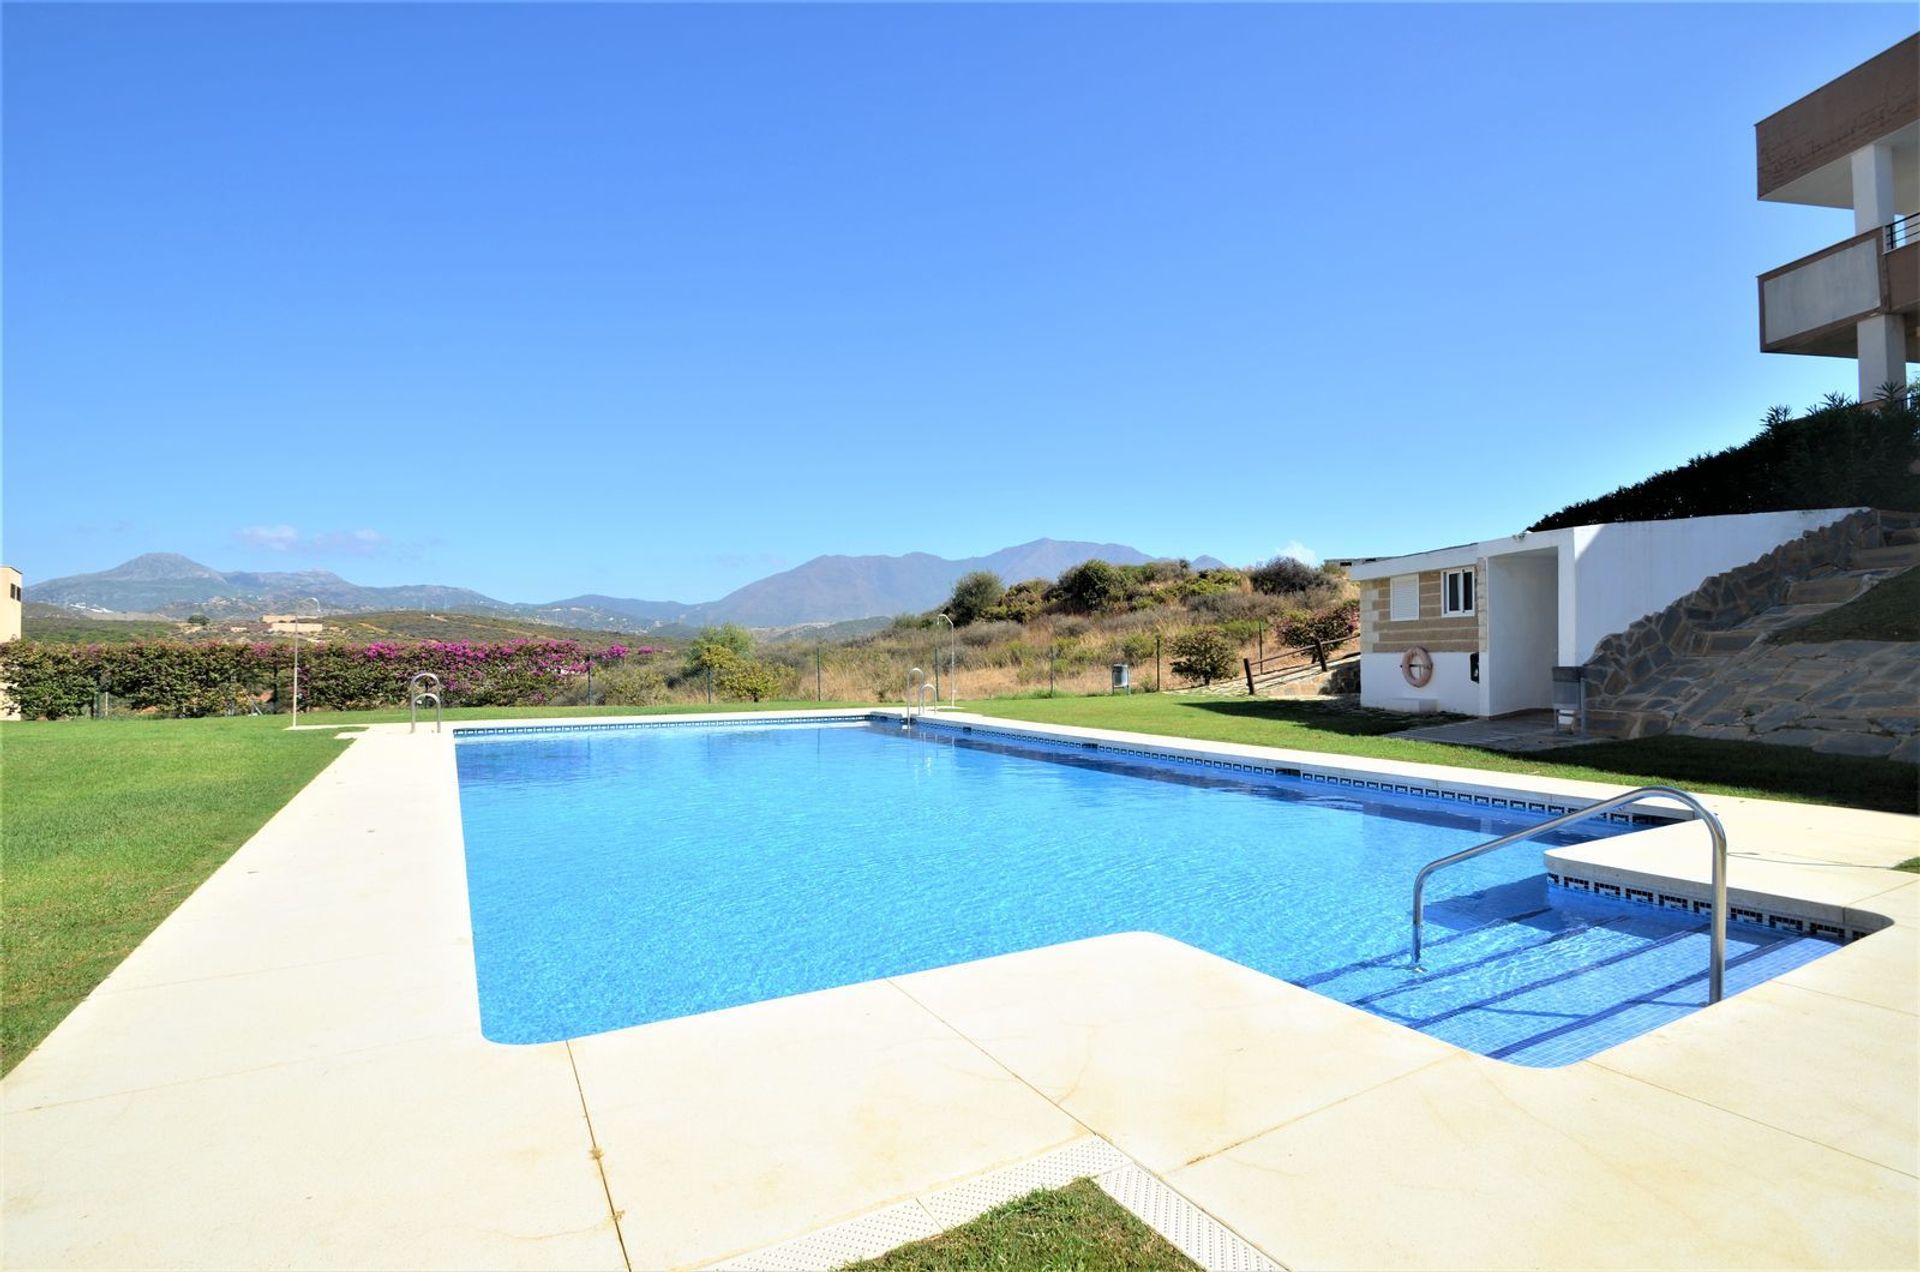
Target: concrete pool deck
{"x": 289, "y": 1072}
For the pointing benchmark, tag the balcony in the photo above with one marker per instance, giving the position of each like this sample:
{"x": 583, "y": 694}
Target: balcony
{"x": 1811, "y": 305}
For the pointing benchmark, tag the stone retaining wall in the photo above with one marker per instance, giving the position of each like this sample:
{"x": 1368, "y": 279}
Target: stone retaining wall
{"x": 1632, "y": 657}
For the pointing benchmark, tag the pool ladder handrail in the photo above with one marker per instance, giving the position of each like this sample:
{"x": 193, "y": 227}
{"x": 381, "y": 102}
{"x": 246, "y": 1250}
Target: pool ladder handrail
{"x": 1717, "y": 957}
{"x": 417, "y": 694}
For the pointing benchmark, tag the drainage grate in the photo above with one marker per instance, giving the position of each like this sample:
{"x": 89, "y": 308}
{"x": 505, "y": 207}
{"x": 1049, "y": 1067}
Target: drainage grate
{"x": 954, "y": 1206}
{"x": 867, "y": 1237}
{"x": 1189, "y": 1229}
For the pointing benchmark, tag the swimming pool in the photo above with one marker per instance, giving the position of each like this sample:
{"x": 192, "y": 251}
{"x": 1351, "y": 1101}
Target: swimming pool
{"x": 623, "y": 875}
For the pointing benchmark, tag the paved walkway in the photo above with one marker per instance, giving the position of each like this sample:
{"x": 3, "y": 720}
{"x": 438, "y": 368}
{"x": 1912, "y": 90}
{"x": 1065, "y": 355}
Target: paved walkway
{"x": 289, "y": 1073}
{"x": 1521, "y": 733}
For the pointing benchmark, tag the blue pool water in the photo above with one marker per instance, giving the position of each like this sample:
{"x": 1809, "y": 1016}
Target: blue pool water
{"x": 618, "y": 877}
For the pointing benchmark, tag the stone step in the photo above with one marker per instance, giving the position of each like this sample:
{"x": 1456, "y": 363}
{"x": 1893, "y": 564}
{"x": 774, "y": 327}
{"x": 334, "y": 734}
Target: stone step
{"x": 1892, "y": 557}
{"x": 1834, "y": 589}
{"x": 1730, "y": 641}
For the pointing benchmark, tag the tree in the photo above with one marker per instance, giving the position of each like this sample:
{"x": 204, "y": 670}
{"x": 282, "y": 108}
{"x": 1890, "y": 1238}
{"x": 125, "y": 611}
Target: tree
{"x": 196, "y": 620}
{"x": 1091, "y": 586}
{"x": 973, "y": 596}
{"x": 1204, "y": 654}
{"x": 1284, "y": 574}
{"x": 710, "y": 643}
{"x": 737, "y": 677}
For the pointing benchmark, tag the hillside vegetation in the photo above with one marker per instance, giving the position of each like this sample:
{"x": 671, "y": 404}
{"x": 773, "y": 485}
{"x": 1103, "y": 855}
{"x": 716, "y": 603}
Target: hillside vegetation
{"x": 1174, "y": 624}
{"x": 1838, "y": 455}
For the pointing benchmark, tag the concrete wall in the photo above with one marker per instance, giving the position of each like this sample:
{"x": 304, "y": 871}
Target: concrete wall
{"x": 1451, "y": 689}
{"x": 1833, "y": 288}
{"x": 1621, "y": 573}
{"x": 1523, "y": 631}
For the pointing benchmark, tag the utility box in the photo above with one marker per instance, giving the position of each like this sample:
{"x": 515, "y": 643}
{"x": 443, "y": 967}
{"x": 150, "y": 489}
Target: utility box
{"x": 1122, "y": 678}
{"x": 1570, "y": 699}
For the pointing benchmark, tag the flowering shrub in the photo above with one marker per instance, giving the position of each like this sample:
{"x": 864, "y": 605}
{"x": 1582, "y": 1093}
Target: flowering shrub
{"x": 175, "y": 678}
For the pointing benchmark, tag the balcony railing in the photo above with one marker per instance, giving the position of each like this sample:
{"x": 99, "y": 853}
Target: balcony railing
{"x": 1900, "y": 232}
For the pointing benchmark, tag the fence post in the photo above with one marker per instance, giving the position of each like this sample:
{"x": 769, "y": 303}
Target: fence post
{"x": 709, "y": 684}
{"x": 1249, "y": 666}
{"x": 1052, "y": 654}
{"x": 817, "y": 697}
{"x": 1156, "y": 662}
{"x": 1320, "y": 653}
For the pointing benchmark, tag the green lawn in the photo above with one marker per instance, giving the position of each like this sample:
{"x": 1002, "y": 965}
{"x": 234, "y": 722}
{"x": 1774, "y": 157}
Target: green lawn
{"x": 107, "y": 825}
{"x": 1726, "y": 768}
{"x": 1073, "y": 1229}
{"x": 1889, "y": 611}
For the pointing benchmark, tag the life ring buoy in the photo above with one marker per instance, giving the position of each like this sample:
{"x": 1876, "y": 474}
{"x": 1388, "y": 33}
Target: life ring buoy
{"x": 1416, "y": 665}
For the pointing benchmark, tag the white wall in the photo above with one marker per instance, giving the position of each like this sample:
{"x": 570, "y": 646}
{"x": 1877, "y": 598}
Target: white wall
{"x": 1523, "y": 630}
{"x": 1451, "y": 689}
{"x": 1838, "y": 286}
{"x": 1622, "y": 573}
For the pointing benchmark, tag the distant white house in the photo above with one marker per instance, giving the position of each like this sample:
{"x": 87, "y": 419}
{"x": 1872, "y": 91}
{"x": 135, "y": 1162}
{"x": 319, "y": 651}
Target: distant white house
{"x": 1479, "y": 628}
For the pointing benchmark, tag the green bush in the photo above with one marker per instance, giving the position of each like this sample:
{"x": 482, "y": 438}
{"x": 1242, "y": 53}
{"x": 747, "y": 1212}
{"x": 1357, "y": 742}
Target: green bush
{"x": 47, "y": 682}
{"x": 1205, "y": 654}
{"x": 1022, "y": 602}
{"x": 742, "y": 678}
{"x": 1838, "y": 455}
{"x": 1090, "y": 587}
{"x": 1284, "y": 574}
{"x": 630, "y": 684}
{"x": 975, "y": 596}
{"x": 711, "y": 644}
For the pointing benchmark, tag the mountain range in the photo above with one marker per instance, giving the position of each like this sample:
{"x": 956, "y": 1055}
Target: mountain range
{"x": 826, "y": 589}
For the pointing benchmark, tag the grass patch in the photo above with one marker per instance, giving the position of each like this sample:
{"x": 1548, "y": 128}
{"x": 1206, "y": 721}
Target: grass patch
{"x": 107, "y": 825}
{"x": 1911, "y": 865}
{"x": 1073, "y": 1229}
{"x": 1890, "y": 610}
{"x": 1751, "y": 769}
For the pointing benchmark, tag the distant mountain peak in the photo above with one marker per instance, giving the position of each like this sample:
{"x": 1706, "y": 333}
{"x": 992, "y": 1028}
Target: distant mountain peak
{"x": 827, "y": 589}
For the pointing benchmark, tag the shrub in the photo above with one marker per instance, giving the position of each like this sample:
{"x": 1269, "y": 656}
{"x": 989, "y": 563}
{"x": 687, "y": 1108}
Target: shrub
{"x": 1090, "y": 587}
{"x": 1022, "y": 602}
{"x": 182, "y": 679}
{"x": 705, "y": 650}
{"x": 974, "y": 597}
{"x": 48, "y": 682}
{"x": 1328, "y": 624}
{"x": 1284, "y": 574}
{"x": 1205, "y": 654}
{"x": 635, "y": 683}
{"x": 743, "y": 678}
{"x": 1213, "y": 583}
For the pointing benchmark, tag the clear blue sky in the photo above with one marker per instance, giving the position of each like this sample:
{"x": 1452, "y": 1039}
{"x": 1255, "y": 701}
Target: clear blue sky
{"x": 652, "y": 300}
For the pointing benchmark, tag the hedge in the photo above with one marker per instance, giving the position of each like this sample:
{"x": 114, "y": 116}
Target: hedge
{"x": 1838, "y": 455}
{"x": 181, "y": 679}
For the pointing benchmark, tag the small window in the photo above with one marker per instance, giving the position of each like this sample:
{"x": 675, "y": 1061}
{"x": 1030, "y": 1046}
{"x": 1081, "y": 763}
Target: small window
{"x": 1456, "y": 593}
{"x": 1403, "y": 604}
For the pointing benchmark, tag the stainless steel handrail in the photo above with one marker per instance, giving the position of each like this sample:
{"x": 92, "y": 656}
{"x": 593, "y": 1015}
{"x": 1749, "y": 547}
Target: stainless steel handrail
{"x": 417, "y": 694}
{"x": 1717, "y": 956}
